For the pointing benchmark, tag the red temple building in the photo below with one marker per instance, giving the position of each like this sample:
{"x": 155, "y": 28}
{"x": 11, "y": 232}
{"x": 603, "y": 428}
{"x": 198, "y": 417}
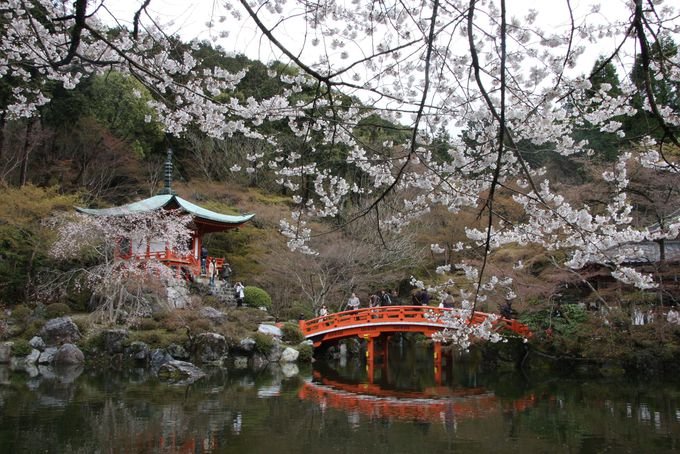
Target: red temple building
{"x": 204, "y": 221}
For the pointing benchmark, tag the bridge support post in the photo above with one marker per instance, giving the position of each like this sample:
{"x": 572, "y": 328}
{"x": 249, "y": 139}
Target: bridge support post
{"x": 370, "y": 355}
{"x": 437, "y": 362}
{"x": 370, "y": 358}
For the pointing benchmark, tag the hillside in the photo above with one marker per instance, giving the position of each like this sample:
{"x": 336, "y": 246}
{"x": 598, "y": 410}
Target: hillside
{"x": 535, "y": 215}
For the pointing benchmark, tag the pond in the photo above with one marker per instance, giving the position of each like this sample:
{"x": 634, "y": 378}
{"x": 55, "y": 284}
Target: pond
{"x": 334, "y": 408}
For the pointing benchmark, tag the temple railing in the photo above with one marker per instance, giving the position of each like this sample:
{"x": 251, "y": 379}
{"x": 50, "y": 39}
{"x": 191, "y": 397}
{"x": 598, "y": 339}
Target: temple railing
{"x": 174, "y": 260}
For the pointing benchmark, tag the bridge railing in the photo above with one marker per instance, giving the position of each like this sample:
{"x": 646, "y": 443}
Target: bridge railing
{"x": 400, "y": 314}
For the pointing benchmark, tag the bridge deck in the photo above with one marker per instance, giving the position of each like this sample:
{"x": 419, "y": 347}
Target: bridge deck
{"x": 371, "y": 322}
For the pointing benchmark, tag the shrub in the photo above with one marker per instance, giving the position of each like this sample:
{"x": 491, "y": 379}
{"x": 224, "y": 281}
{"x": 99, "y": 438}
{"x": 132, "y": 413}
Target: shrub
{"x": 84, "y": 324}
{"x": 564, "y": 320}
{"x": 21, "y": 347}
{"x": 161, "y": 315}
{"x": 292, "y": 333}
{"x": 21, "y": 313}
{"x": 298, "y": 309}
{"x": 211, "y": 300}
{"x": 32, "y": 329}
{"x": 92, "y": 344}
{"x": 55, "y": 310}
{"x": 157, "y": 338}
{"x": 79, "y": 299}
{"x": 306, "y": 352}
{"x": 4, "y": 329}
{"x": 256, "y": 297}
{"x": 147, "y": 324}
{"x": 200, "y": 326}
{"x": 263, "y": 343}
{"x": 171, "y": 320}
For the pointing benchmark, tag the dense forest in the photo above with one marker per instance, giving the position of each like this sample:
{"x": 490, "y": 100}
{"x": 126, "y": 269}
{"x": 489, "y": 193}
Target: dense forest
{"x": 101, "y": 143}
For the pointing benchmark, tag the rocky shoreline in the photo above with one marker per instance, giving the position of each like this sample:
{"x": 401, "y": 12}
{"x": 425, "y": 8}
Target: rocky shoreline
{"x": 57, "y": 346}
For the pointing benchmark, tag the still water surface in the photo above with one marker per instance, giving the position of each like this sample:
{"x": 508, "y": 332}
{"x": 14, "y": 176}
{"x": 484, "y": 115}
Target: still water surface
{"x": 333, "y": 408}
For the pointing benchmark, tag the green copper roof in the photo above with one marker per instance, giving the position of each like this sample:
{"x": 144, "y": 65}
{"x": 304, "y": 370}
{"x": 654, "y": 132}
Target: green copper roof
{"x": 160, "y": 201}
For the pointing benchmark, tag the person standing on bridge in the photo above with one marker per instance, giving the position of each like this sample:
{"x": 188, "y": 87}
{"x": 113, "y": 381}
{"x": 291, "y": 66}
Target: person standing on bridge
{"x": 353, "y": 302}
{"x": 395, "y": 298}
{"x": 323, "y": 311}
{"x": 425, "y": 298}
{"x": 385, "y": 299}
{"x": 448, "y": 300}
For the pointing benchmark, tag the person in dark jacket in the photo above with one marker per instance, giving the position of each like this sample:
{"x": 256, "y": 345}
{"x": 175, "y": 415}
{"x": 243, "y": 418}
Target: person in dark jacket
{"x": 204, "y": 260}
{"x": 425, "y": 298}
{"x": 385, "y": 299}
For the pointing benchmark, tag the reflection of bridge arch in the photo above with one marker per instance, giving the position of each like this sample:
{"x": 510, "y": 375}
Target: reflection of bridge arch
{"x": 443, "y": 405}
{"x": 373, "y": 322}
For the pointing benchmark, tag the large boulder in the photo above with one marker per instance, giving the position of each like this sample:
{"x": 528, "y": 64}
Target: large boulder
{"x": 258, "y": 362}
{"x": 59, "y": 331}
{"x": 289, "y": 355}
{"x": 180, "y": 372}
{"x": 47, "y": 356}
{"x": 5, "y": 352}
{"x": 178, "y": 296}
{"x": 274, "y": 354}
{"x": 158, "y": 357}
{"x": 68, "y": 354}
{"x": 4, "y": 377}
{"x": 37, "y": 343}
{"x": 113, "y": 340}
{"x": 138, "y": 351}
{"x": 32, "y": 358}
{"x": 245, "y": 346}
{"x": 26, "y": 363}
{"x": 210, "y": 348}
{"x": 212, "y": 314}
{"x": 272, "y": 330}
{"x": 178, "y": 352}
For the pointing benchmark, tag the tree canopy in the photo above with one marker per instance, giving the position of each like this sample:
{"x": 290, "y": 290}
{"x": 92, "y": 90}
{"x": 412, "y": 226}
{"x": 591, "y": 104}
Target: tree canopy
{"x": 496, "y": 79}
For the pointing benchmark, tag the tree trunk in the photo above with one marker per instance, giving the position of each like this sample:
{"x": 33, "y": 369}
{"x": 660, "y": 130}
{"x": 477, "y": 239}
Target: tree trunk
{"x": 23, "y": 176}
{"x": 2, "y": 135}
{"x": 662, "y": 250}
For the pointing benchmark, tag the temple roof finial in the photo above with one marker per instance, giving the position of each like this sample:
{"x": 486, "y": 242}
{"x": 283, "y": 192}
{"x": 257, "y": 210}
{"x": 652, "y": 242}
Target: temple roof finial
{"x": 167, "y": 188}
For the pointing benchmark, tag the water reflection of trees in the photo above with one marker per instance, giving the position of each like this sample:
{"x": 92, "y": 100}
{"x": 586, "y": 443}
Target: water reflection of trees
{"x": 132, "y": 412}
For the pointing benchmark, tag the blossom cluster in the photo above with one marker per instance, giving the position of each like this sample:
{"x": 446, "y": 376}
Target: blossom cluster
{"x": 495, "y": 82}
{"x": 98, "y": 240}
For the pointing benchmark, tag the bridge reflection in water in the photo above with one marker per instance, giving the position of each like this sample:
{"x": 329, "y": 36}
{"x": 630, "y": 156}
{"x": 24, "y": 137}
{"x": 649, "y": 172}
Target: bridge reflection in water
{"x": 437, "y": 404}
{"x": 401, "y": 380}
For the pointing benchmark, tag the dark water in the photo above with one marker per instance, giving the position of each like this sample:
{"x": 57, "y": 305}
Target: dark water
{"x": 334, "y": 409}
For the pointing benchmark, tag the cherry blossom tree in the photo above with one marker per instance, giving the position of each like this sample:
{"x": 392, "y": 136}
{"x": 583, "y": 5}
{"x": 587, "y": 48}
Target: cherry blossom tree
{"x": 121, "y": 288}
{"x": 489, "y": 72}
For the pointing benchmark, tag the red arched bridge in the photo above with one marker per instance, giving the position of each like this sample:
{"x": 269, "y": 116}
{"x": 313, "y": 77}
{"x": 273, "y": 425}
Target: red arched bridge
{"x": 370, "y": 323}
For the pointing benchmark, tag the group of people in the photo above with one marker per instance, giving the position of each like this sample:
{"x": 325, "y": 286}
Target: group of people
{"x": 384, "y": 298}
{"x": 209, "y": 268}
{"x": 213, "y": 271}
